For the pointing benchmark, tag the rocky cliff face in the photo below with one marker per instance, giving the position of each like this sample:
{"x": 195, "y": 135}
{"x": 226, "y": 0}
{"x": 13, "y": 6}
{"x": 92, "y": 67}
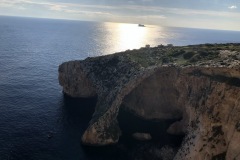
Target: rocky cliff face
{"x": 206, "y": 102}
{"x": 74, "y": 81}
{"x": 202, "y": 100}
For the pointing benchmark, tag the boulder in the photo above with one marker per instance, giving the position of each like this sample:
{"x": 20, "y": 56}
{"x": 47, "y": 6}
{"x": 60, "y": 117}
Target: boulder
{"x": 142, "y": 136}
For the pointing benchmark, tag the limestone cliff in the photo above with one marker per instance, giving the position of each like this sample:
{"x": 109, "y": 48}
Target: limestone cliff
{"x": 197, "y": 86}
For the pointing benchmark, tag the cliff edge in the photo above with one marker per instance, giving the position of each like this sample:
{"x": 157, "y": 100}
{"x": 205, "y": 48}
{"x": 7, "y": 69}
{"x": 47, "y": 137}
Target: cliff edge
{"x": 195, "y": 87}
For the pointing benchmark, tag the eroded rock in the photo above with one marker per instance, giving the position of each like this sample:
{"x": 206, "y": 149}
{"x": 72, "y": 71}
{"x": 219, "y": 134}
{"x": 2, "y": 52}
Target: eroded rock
{"x": 203, "y": 99}
{"x": 74, "y": 80}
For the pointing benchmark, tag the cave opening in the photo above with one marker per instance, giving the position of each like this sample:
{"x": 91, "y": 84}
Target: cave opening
{"x": 148, "y": 111}
{"x": 130, "y": 123}
{"x": 162, "y": 145}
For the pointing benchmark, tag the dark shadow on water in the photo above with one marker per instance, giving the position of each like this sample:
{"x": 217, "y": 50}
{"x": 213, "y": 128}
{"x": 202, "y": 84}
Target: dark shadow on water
{"x": 78, "y": 111}
{"x": 76, "y": 116}
{"x": 130, "y": 123}
{"x": 130, "y": 148}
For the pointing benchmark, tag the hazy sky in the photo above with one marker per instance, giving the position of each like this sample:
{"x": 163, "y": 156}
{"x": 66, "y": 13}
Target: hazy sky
{"x": 215, "y": 14}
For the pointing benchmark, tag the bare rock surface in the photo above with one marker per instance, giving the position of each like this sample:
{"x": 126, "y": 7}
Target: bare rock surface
{"x": 74, "y": 81}
{"x": 198, "y": 86}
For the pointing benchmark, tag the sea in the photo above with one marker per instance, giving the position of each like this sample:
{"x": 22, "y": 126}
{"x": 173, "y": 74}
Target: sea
{"x": 37, "y": 122}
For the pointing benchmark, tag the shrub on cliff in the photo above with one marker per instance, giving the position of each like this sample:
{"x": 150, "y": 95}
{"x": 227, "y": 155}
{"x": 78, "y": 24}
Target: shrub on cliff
{"x": 209, "y": 45}
{"x": 167, "y": 59}
{"x": 188, "y": 55}
{"x": 203, "y": 53}
{"x": 178, "y": 52}
{"x": 212, "y": 54}
{"x": 195, "y": 58}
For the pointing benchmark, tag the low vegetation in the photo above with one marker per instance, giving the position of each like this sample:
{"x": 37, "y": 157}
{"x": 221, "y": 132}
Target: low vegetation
{"x": 184, "y": 55}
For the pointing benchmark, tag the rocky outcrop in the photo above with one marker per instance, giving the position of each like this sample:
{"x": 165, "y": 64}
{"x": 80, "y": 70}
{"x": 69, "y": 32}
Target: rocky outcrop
{"x": 142, "y": 136}
{"x": 201, "y": 99}
{"x": 207, "y": 100}
{"x": 74, "y": 81}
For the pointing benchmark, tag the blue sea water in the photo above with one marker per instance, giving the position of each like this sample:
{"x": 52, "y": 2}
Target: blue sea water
{"x": 36, "y": 121}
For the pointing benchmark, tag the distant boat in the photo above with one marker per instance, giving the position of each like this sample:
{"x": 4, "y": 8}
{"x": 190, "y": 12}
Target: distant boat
{"x": 141, "y": 25}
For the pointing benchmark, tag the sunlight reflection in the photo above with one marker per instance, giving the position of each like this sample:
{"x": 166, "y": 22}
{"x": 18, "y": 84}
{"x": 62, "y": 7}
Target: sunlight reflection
{"x": 123, "y": 36}
{"x": 130, "y": 36}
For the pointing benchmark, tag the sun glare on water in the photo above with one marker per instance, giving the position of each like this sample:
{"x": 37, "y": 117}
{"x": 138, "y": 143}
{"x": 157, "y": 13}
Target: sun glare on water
{"x": 122, "y": 36}
{"x": 130, "y": 36}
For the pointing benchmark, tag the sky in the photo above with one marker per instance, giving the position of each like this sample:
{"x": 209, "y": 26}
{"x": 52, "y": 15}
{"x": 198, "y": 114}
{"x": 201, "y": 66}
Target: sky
{"x": 210, "y": 14}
